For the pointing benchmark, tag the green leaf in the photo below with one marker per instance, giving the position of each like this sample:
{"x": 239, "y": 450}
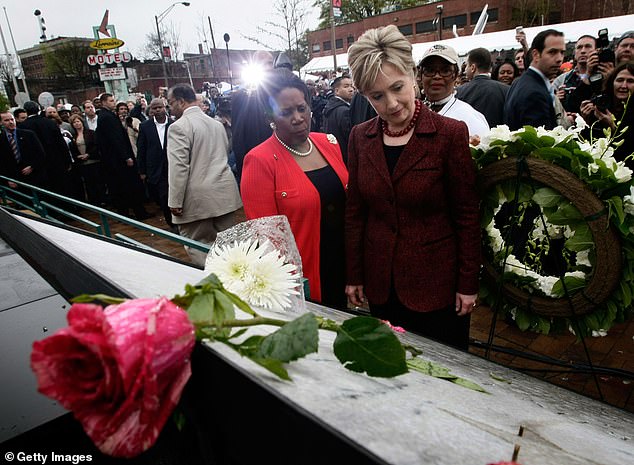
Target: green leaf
{"x": 249, "y": 346}
{"x": 294, "y": 340}
{"x": 616, "y": 208}
{"x": 179, "y": 419}
{"x": 626, "y": 293}
{"x": 274, "y": 366}
{"x": 201, "y": 308}
{"x": 572, "y": 284}
{"x": 547, "y": 197}
{"x": 565, "y": 215}
{"x": 522, "y": 319}
{"x": 223, "y": 309}
{"x": 238, "y": 302}
{"x": 499, "y": 378}
{"x": 429, "y": 368}
{"x": 543, "y": 325}
{"x": 90, "y": 298}
{"x": 365, "y": 344}
{"x": 582, "y": 239}
{"x": 437, "y": 371}
{"x": 468, "y": 384}
{"x": 212, "y": 280}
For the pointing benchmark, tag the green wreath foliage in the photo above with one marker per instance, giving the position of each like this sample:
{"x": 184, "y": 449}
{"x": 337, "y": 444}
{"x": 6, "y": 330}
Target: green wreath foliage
{"x": 592, "y": 161}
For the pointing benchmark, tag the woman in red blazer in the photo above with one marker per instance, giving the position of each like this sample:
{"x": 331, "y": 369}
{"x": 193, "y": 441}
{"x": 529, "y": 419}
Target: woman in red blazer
{"x": 412, "y": 226}
{"x": 301, "y": 174}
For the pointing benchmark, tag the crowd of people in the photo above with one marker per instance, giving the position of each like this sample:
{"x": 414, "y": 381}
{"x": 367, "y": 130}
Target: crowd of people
{"x": 372, "y": 168}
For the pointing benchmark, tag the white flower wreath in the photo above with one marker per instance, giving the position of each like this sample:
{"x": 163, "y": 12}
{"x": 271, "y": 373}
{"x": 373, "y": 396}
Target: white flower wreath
{"x": 593, "y": 162}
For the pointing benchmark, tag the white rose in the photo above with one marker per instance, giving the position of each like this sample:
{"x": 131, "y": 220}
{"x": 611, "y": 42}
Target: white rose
{"x": 546, "y": 283}
{"x": 593, "y": 168}
{"x": 583, "y": 258}
{"x": 622, "y": 173}
{"x": 580, "y": 123}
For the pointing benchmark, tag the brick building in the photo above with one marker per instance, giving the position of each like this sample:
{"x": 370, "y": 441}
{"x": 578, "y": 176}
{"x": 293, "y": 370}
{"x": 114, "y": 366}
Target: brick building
{"x": 59, "y": 66}
{"x": 435, "y": 20}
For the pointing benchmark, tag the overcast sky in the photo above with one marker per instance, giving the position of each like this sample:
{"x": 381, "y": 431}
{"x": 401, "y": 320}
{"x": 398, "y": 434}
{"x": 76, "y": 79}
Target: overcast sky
{"x": 133, "y": 19}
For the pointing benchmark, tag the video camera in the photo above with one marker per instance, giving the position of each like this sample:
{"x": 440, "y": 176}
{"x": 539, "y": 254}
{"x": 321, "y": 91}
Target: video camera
{"x": 606, "y": 55}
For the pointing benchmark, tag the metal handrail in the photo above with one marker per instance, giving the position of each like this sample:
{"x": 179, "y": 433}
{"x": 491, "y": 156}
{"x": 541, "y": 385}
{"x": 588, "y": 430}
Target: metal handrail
{"x": 42, "y": 208}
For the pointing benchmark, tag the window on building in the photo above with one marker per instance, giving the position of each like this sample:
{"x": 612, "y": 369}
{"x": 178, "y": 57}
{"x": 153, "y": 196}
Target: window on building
{"x": 327, "y": 46}
{"x": 350, "y": 40}
{"x": 339, "y": 43}
{"x": 202, "y": 65}
{"x": 458, "y": 20}
{"x": 493, "y": 16}
{"x": 406, "y": 29}
{"x": 316, "y": 47}
{"x": 425, "y": 26}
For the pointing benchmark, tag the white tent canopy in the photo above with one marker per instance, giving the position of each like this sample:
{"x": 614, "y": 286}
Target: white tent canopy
{"x": 496, "y": 41}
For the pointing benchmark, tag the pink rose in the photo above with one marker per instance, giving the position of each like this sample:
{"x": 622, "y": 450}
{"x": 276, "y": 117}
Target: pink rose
{"x": 120, "y": 370}
{"x": 396, "y": 329}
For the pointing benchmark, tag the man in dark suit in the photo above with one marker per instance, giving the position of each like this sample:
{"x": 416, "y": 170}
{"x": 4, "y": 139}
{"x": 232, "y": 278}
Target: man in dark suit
{"x": 152, "y": 155}
{"x": 336, "y": 116}
{"x": 58, "y": 159}
{"x": 481, "y": 92}
{"x": 21, "y": 154}
{"x": 117, "y": 161}
{"x": 530, "y": 100}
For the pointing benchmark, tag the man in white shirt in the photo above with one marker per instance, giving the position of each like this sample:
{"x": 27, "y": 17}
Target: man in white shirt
{"x": 152, "y": 155}
{"x": 90, "y": 115}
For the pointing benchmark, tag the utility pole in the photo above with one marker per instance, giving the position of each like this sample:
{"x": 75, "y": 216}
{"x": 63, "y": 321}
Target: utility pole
{"x": 17, "y": 56}
{"x": 9, "y": 63}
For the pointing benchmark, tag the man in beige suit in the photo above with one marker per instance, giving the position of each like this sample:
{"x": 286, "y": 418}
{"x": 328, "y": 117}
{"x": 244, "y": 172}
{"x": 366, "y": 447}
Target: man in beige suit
{"x": 203, "y": 194}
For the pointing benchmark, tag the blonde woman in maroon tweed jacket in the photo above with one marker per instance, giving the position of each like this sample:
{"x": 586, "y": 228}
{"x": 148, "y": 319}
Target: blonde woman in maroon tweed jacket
{"x": 412, "y": 222}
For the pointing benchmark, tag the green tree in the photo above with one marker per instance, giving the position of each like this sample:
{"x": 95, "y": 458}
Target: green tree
{"x": 356, "y": 10}
{"x": 66, "y": 65}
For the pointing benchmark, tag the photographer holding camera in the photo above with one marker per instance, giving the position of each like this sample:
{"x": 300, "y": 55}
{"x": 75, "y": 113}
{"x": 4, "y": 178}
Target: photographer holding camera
{"x": 599, "y": 65}
{"x": 614, "y": 109}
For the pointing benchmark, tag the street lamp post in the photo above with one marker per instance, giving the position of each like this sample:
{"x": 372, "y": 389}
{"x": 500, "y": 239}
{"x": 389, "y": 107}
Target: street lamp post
{"x": 439, "y": 9}
{"x": 158, "y": 19}
{"x": 226, "y": 39}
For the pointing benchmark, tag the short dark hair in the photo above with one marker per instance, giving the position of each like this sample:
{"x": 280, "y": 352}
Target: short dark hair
{"x": 337, "y": 82}
{"x": 183, "y": 91}
{"x": 480, "y": 57}
{"x": 588, "y": 36}
{"x": 31, "y": 107}
{"x": 18, "y": 111}
{"x": 275, "y": 82}
{"x": 105, "y": 96}
{"x": 539, "y": 42}
{"x": 121, "y": 104}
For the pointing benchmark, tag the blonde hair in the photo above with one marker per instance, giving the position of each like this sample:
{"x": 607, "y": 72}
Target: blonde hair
{"x": 375, "y": 48}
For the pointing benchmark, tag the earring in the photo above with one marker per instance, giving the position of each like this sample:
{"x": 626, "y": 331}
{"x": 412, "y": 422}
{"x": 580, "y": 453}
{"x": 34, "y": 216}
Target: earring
{"x": 273, "y": 125}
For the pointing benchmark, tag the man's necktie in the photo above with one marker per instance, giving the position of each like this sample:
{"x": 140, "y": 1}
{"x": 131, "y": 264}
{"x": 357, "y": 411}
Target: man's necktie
{"x": 14, "y": 147}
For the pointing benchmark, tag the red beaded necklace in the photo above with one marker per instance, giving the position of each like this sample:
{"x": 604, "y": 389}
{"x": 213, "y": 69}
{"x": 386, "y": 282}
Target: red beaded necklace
{"x": 409, "y": 127}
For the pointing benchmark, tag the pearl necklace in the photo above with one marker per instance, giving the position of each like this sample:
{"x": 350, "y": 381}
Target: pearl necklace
{"x": 292, "y": 150}
{"x": 409, "y": 127}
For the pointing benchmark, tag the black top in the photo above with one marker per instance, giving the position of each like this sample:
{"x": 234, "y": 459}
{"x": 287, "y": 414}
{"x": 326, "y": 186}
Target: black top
{"x": 331, "y": 246}
{"x": 392, "y": 154}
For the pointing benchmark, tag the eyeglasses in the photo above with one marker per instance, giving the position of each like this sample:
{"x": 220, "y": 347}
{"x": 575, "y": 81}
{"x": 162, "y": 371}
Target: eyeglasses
{"x": 445, "y": 71}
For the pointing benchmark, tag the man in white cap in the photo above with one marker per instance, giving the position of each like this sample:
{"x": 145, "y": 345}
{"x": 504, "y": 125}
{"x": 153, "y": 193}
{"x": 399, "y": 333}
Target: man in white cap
{"x": 437, "y": 73}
